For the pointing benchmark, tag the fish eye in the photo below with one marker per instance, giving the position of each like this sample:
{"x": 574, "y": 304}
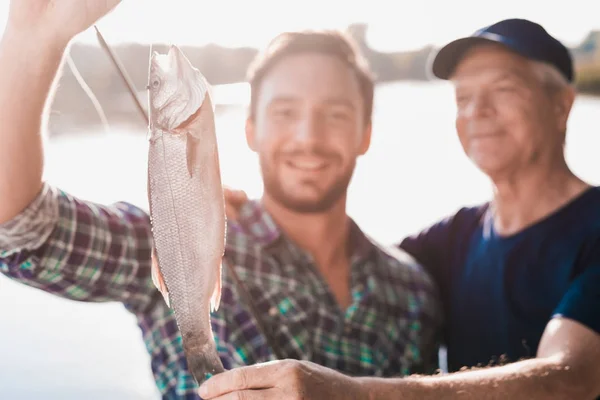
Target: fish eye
{"x": 153, "y": 85}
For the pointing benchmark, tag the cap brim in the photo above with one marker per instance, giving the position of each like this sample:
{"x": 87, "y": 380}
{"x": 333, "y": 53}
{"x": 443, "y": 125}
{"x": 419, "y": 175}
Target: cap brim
{"x": 444, "y": 62}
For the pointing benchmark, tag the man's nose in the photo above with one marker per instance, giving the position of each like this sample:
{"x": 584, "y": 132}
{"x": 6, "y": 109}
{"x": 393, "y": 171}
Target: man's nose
{"x": 310, "y": 130}
{"x": 479, "y": 105}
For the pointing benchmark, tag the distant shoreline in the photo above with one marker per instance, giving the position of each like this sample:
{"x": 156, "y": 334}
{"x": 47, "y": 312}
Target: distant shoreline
{"x": 71, "y": 108}
{"x": 588, "y": 80}
{"x": 84, "y": 119}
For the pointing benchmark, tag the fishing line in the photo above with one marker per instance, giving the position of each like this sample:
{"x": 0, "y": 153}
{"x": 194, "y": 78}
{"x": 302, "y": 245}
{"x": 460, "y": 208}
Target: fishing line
{"x": 123, "y": 74}
{"x": 241, "y": 288}
{"x": 149, "y": 130}
{"x": 88, "y": 91}
{"x": 255, "y": 312}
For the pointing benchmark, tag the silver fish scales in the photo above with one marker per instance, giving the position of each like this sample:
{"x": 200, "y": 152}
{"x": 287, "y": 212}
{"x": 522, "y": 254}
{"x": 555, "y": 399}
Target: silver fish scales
{"x": 186, "y": 203}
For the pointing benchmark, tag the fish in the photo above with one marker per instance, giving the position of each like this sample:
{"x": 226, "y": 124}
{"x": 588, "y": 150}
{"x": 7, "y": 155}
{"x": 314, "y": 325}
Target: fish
{"x": 187, "y": 205}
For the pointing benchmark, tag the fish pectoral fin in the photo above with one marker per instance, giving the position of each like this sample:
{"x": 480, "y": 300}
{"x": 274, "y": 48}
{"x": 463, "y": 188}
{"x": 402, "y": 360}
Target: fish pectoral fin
{"x": 215, "y": 299}
{"x": 192, "y": 152}
{"x": 167, "y": 298}
{"x": 157, "y": 278}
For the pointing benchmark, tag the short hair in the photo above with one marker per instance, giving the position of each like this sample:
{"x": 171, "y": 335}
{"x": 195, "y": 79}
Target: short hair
{"x": 552, "y": 80}
{"x": 550, "y": 77}
{"x": 330, "y": 42}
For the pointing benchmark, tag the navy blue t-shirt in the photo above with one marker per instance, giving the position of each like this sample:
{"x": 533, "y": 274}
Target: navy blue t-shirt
{"x": 500, "y": 292}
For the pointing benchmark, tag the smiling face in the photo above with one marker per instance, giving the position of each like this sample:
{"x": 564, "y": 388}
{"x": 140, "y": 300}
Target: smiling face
{"x": 507, "y": 116}
{"x": 308, "y": 129}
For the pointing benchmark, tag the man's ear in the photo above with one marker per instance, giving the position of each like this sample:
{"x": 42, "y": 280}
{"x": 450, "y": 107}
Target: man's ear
{"x": 366, "y": 139}
{"x": 250, "y": 135}
{"x": 563, "y": 104}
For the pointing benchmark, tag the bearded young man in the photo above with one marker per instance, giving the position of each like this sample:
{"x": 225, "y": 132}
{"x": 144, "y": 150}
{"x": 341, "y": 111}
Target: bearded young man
{"x": 324, "y": 291}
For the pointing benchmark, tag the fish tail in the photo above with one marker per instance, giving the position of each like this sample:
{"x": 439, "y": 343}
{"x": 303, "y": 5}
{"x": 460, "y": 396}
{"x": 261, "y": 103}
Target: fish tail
{"x": 205, "y": 364}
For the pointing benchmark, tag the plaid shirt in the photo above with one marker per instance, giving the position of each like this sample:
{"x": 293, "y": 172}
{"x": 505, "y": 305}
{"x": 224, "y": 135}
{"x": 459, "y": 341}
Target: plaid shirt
{"x": 88, "y": 252}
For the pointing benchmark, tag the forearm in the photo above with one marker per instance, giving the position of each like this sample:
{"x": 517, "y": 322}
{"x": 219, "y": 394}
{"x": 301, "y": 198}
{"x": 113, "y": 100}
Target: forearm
{"x": 28, "y": 66}
{"x": 528, "y": 380}
{"x": 80, "y": 250}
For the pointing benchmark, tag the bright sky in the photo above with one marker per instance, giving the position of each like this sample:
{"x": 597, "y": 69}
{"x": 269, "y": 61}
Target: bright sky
{"x": 394, "y": 25}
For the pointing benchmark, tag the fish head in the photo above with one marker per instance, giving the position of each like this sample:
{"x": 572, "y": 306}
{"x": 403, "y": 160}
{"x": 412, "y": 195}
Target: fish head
{"x": 176, "y": 89}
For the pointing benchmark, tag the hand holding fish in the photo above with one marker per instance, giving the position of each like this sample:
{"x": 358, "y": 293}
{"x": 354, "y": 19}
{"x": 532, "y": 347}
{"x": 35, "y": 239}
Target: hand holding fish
{"x": 57, "y": 19}
{"x": 285, "y": 379}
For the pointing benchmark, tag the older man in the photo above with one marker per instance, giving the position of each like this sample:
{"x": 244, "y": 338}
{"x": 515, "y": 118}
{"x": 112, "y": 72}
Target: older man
{"x": 520, "y": 275}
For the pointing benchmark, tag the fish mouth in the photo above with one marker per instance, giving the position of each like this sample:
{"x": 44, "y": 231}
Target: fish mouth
{"x": 187, "y": 90}
{"x": 175, "y": 55}
{"x": 165, "y": 62}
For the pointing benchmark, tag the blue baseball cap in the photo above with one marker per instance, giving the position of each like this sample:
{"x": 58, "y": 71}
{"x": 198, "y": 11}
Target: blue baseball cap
{"x": 526, "y": 38}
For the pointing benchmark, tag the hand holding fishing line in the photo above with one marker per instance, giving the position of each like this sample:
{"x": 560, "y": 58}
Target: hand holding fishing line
{"x": 58, "y": 19}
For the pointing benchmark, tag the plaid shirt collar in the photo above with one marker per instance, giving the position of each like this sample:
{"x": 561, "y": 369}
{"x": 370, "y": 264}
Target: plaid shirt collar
{"x": 255, "y": 221}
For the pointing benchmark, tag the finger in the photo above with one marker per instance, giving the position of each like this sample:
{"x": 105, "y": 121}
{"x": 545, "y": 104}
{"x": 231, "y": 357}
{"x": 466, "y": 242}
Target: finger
{"x": 231, "y": 212}
{"x": 102, "y": 8}
{"x": 240, "y": 196}
{"x": 262, "y": 394}
{"x": 234, "y": 200}
{"x": 234, "y": 196}
{"x": 110, "y": 4}
{"x": 258, "y": 376}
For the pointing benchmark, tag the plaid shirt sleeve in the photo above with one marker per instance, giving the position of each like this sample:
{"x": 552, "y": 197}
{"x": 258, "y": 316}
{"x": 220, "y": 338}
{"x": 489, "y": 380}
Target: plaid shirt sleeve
{"x": 88, "y": 252}
{"x": 80, "y": 250}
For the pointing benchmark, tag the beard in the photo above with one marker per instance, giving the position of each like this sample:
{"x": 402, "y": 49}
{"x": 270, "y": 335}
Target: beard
{"x": 326, "y": 199}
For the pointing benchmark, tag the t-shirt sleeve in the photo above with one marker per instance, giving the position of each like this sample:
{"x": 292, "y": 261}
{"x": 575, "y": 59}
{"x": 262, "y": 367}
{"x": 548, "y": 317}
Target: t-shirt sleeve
{"x": 428, "y": 247}
{"x": 438, "y": 246}
{"x": 581, "y": 302}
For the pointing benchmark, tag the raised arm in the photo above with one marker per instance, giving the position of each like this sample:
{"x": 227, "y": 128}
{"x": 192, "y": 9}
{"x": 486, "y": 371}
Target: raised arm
{"x": 81, "y": 250}
{"x": 49, "y": 239}
{"x": 31, "y": 49}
